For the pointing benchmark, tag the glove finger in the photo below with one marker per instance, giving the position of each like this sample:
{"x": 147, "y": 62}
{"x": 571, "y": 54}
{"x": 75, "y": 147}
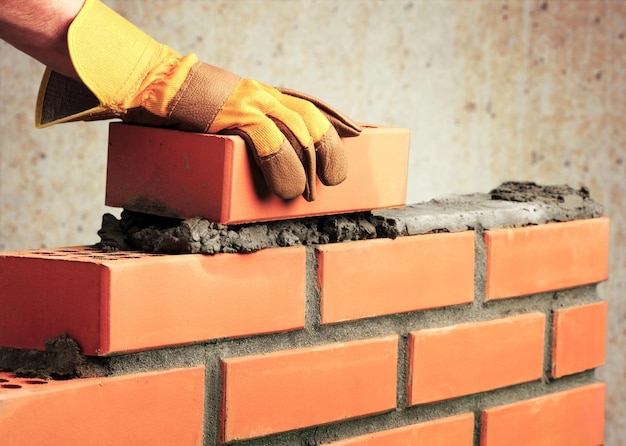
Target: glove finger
{"x": 252, "y": 111}
{"x": 282, "y": 169}
{"x": 246, "y": 109}
{"x": 332, "y": 165}
{"x": 345, "y": 126}
{"x": 330, "y": 156}
{"x": 306, "y": 155}
{"x": 300, "y": 125}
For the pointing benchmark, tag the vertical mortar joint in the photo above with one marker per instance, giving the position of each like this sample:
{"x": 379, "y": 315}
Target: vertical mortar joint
{"x": 480, "y": 265}
{"x": 547, "y": 359}
{"x": 312, "y": 312}
{"x": 403, "y": 372}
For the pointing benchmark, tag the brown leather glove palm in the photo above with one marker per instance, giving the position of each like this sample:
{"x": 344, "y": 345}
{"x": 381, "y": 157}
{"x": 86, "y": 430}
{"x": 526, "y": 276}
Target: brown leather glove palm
{"x": 125, "y": 73}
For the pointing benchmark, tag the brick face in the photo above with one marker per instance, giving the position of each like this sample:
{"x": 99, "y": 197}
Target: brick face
{"x": 130, "y": 301}
{"x": 277, "y": 392}
{"x": 579, "y": 339}
{"x": 547, "y": 257}
{"x": 449, "y": 362}
{"x": 457, "y": 430}
{"x": 569, "y": 418}
{"x": 379, "y": 277}
{"x": 165, "y": 408}
{"x": 184, "y": 174}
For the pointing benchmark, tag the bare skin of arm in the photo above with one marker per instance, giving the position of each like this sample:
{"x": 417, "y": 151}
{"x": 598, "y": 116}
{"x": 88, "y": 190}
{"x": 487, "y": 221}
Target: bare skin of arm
{"x": 39, "y": 29}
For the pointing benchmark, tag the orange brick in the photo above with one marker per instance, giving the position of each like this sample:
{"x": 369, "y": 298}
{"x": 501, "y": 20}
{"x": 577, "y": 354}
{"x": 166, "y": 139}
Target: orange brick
{"x": 376, "y": 277}
{"x": 173, "y": 173}
{"x": 165, "y": 407}
{"x": 570, "y": 418}
{"x": 548, "y": 257}
{"x": 457, "y": 430}
{"x": 449, "y": 362}
{"x": 579, "y": 339}
{"x": 277, "y": 392}
{"x": 128, "y": 301}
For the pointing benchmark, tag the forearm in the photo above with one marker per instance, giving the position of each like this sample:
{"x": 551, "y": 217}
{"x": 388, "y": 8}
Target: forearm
{"x": 39, "y": 29}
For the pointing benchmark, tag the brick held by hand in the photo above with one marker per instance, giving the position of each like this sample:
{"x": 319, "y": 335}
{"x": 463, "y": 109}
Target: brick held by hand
{"x": 182, "y": 174}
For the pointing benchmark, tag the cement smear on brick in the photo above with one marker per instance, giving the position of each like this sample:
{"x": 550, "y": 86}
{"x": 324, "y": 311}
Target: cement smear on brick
{"x": 149, "y": 233}
{"x": 511, "y": 204}
{"x": 60, "y": 360}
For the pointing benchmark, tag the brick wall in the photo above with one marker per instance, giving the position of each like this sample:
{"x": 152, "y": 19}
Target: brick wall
{"x": 486, "y": 333}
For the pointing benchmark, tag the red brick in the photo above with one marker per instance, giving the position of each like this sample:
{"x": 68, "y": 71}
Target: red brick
{"x": 377, "y": 277}
{"x": 128, "y": 301}
{"x": 457, "y": 430}
{"x": 548, "y": 257}
{"x": 277, "y": 392}
{"x": 570, "y": 418}
{"x": 173, "y": 173}
{"x": 165, "y": 407}
{"x": 449, "y": 362}
{"x": 579, "y": 339}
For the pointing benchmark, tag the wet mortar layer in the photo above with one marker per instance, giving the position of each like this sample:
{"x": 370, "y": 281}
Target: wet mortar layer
{"x": 512, "y": 204}
{"x": 62, "y": 359}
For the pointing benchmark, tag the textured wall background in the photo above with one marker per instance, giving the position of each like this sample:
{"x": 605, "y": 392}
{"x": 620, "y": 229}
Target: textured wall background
{"x": 491, "y": 90}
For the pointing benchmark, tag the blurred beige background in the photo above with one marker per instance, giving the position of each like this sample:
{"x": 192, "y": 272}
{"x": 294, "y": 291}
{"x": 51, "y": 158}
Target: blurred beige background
{"x": 491, "y": 90}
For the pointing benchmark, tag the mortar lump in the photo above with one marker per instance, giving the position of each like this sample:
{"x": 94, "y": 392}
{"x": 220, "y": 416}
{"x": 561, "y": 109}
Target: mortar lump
{"x": 62, "y": 359}
{"x": 559, "y": 195}
{"x": 153, "y": 234}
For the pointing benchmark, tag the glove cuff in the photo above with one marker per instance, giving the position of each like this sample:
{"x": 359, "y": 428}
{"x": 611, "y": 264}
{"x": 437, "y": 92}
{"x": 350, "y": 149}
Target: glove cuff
{"x": 201, "y": 97}
{"x": 120, "y": 67}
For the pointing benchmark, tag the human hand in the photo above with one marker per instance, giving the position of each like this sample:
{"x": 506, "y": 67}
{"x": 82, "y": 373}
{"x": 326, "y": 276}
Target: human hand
{"x": 292, "y": 136}
{"x": 126, "y": 74}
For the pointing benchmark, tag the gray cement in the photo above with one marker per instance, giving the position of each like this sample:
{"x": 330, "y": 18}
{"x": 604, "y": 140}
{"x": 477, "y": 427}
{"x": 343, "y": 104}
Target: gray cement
{"x": 511, "y": 204}
{"x": 61, "y": 359}
{"x": 148, "y": 233}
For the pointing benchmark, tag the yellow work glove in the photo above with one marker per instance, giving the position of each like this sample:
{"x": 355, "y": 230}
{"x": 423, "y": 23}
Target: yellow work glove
{"x": 125, "y": 73}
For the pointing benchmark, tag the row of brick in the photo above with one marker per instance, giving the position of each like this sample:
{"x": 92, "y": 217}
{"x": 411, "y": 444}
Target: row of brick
{"x": 167, "y": 407}
{"x": 126, "y": 301}
{"x": 264, "y": 394}
{"x": 571, "y": 417}
{"x": 286, "y": 390}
